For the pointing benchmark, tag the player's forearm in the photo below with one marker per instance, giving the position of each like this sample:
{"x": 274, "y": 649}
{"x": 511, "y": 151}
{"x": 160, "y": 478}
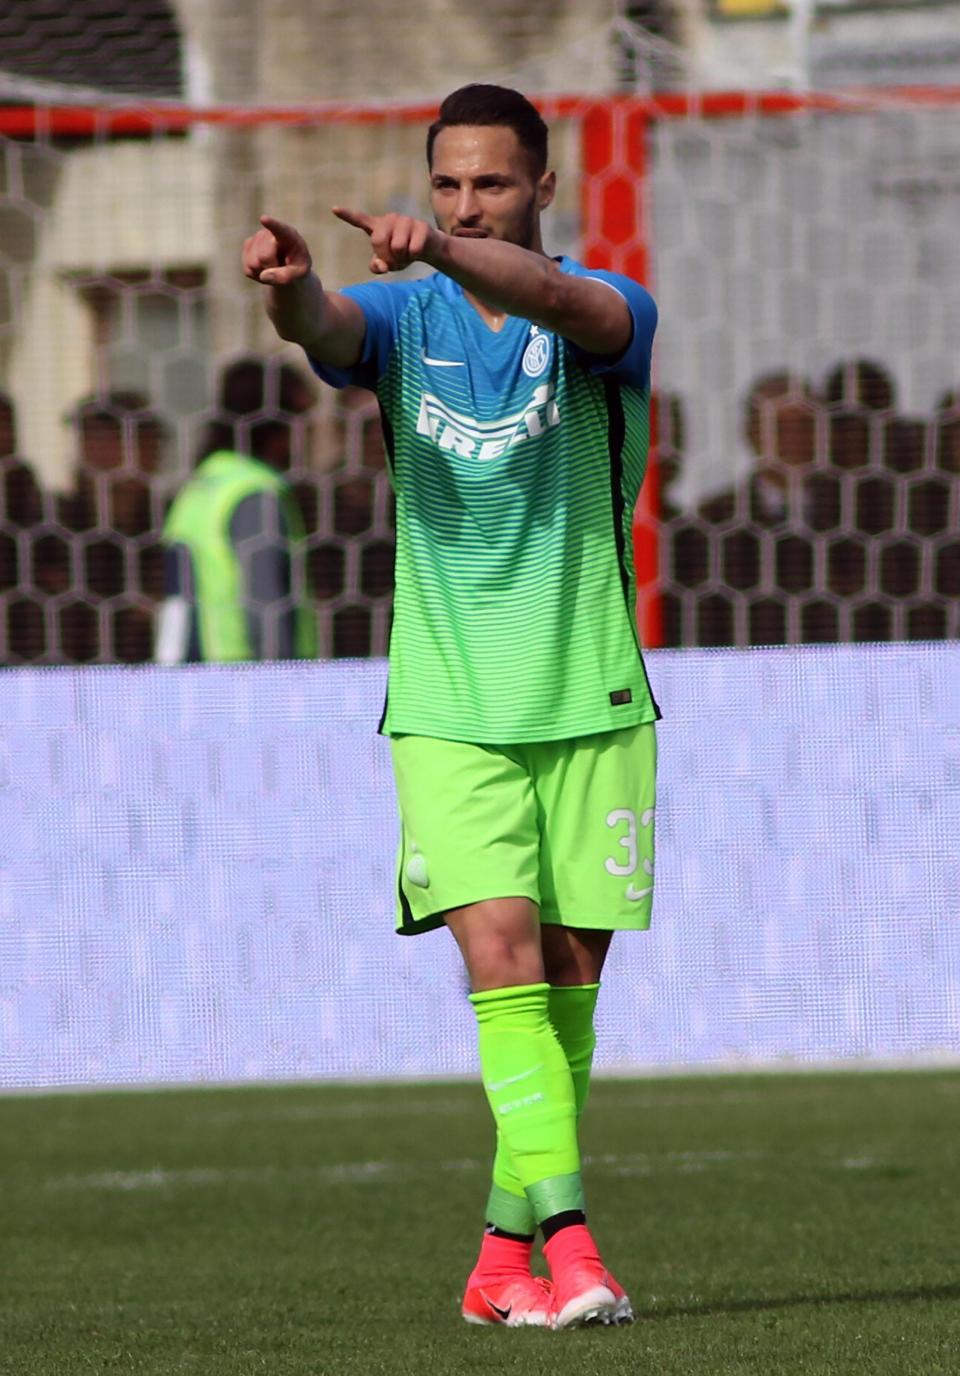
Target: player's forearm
{"x": 505, "y": 276}
{"x": 534, "y": 287}
{"x": 300, "y": 311}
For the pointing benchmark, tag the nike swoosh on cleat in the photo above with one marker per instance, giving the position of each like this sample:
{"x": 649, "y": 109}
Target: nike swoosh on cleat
{"x": 442, "y": 362}
{"x": 502, "y": 1314}
{"x": 514, "y": 1079}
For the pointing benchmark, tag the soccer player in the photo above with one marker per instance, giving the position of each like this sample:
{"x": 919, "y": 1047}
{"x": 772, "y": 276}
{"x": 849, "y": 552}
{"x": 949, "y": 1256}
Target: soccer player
{"x": 514, "y": 390}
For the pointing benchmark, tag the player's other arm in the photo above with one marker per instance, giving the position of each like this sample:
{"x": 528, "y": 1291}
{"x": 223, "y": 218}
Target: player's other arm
{"x": 328, "y": 325}
{"x": 584, "y": 310}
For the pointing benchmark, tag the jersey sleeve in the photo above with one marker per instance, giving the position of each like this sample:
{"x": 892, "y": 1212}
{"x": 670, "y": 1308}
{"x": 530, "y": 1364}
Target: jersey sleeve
{"x": 633, "y": 365}
{"x": 383, "y": 304}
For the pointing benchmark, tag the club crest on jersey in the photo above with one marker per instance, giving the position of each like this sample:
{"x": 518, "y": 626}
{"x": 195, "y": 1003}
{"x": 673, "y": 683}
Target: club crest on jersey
{"x": 536, "y": 355}
{"x": 485, "y": 440}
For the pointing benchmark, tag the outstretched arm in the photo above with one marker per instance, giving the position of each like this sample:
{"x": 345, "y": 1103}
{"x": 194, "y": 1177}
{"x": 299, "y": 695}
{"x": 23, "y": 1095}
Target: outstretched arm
{"x": 329, "y": 326}
{"x": 588, "y": 312}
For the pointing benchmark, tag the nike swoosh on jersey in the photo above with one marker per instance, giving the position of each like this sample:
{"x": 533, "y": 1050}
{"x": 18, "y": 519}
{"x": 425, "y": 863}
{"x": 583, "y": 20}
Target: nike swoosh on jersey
{"x": 442, "y": 362}
{"x": 514, "y": 1079}
{"x": 634, "y": 894}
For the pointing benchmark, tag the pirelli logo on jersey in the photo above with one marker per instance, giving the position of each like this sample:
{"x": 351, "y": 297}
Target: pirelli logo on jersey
{"x": 484, "y": 440}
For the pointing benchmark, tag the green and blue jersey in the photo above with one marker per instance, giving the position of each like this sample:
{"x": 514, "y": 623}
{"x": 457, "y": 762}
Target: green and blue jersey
{"x": 517, "y": 460}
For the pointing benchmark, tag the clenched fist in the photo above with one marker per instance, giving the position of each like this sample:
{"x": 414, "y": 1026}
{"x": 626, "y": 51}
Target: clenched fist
{"x": 277, "y": 254}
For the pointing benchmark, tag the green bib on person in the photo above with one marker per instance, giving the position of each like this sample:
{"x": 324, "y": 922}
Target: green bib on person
{"x": 200, "y": 519}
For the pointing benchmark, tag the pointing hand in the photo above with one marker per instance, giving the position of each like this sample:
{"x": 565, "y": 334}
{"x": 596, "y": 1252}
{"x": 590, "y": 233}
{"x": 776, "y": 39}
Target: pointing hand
{"x": 276, "y": 255}
{"x": 396, "y": 240}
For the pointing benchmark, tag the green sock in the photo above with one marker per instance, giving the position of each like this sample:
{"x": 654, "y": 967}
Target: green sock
{"x": 571, "y": 1009}
{"x": 530, "y": 1091}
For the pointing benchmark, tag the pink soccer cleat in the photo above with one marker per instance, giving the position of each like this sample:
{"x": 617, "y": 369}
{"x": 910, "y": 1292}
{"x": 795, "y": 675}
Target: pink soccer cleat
{"x": 524, "y": 1302}
{"x": 585, "y": 1293}
{"x": 502, "y": 1290}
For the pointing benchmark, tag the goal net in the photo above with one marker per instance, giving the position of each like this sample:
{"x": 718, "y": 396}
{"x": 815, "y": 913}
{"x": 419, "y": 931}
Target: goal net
{"x": 805, "y": 471}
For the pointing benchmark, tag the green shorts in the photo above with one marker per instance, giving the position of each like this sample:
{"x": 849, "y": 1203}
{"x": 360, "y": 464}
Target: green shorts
{"x": 568, "y": 824}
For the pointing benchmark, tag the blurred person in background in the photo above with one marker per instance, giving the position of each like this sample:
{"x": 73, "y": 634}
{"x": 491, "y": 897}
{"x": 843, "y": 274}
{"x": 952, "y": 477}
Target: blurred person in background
{"x": 19, "y": 491}
{"x": 860, "y": 398}
{"x": 780, "y": 427}
{"x": 348, "y": 510}
{"x": 235, "y": 568}
{"x": 669, "y": 433}
{"x": 355, "y": 514}
{"x": 21, "y": 506}
{"x": 119, "y": 455}
{"x": 668, "y": 427}
{"x": 783, "y": 494}
{"x": 947, "y": 420}
{"x": 874, "y": 452}
{"x": 114, "y": 507}
{"x": 946, "y": 568}
{"x": 932, "y": 513}
{"x": 860, "y": 384}
{"x": 515, "y": 390}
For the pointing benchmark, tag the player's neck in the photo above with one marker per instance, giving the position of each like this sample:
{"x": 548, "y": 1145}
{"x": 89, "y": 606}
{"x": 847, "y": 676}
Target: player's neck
{"x": 492, "y": 316}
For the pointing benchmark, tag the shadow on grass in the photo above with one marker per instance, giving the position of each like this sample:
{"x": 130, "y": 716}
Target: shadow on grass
{"x": 922, "y": 1293}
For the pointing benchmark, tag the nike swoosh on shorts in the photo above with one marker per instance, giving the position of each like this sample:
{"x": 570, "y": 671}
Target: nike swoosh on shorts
{"x": 633, "y": 894}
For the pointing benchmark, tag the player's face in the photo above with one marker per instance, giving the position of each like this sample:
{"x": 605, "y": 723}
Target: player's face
{"x": 783, "y": 430}
{"x": 482, "y": 186}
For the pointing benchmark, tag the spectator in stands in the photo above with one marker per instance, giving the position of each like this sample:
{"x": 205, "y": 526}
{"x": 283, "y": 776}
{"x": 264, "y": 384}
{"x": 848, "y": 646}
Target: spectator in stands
{"x": 116, "y": 499}
{"x": 667, "y": 430}
{"x": 20, "y": 498}
{"x": 20, "y": 513}
{"x": 782, "y": 496}
{"x": 8, "y": 443}
{"x": 359, "y": 510}
{"x": 893, "y": 504}
{"x": 860, "y": 383}
{"x": 860, "y": 398}
{"x": 780, "y": 426}
{"x": 937, "y": 503}
{"x": 667, "y": 440}
{"x": 234, "y": 568}
{"x": 947, "y": 420}
{"x": 121, "y": 450}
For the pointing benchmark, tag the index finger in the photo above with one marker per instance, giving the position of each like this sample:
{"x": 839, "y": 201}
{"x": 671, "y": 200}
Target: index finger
{"x": 357, "y": 218}
{"x": 284, "y": 234}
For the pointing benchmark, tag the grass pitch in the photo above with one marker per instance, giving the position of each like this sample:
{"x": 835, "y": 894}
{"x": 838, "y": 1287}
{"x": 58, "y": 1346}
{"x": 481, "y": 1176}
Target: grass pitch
{"x": 796, "y": 1224}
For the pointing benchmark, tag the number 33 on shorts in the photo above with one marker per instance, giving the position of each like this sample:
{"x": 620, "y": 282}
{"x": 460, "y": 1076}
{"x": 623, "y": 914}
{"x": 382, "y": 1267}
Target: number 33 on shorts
{"x": 633, "y": 847}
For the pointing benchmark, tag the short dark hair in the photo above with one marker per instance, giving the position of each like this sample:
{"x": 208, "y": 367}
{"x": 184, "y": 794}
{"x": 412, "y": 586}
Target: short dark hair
{"x": 487, "y": 105}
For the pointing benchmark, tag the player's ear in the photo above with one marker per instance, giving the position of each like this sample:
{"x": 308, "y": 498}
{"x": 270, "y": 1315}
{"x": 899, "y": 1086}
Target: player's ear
{"x": 546, "y": 189}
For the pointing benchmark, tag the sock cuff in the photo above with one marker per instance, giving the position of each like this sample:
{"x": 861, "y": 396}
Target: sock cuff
{"x": 572, "y": 1007}
{"x": 510, "y": 1212}
{"x": 487, "y": 998}
{"x": 556, "y": 1195}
